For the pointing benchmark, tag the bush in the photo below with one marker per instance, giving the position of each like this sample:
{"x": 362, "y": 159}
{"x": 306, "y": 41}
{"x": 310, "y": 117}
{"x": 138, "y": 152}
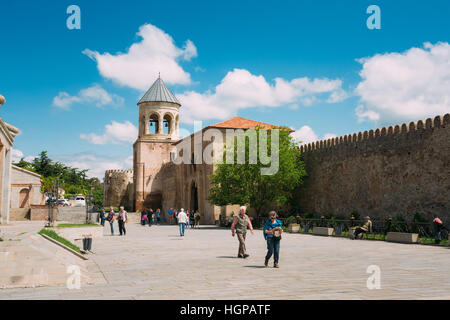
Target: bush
{"x": 418, "y": 217}
{"x": 290, "y": 219}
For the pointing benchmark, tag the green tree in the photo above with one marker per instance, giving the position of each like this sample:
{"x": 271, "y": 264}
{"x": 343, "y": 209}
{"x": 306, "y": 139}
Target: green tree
{"x": 72, "y": 180}
{"x": 43, "y": 164}
{"x": 25, "y": 165}
{"x": 244, "y": 183}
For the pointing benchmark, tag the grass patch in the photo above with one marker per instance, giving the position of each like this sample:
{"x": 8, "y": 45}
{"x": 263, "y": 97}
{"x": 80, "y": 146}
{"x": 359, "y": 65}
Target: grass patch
{"x": 75, "y": 225}
{"x": 52, "y": 234}
{"x": 375, "y": 236}
{"x": 1, "y": 239}
{"x": 432, "y": 241}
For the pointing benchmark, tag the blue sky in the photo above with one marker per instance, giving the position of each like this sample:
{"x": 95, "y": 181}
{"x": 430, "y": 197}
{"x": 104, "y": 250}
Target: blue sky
{"x": 236, "y": 50}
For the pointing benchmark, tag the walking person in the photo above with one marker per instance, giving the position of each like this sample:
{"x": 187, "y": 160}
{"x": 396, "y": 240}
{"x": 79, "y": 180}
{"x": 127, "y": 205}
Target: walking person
{"x": 239, "y": 226}
{"x": 192, "y": 220}
{"x": 175, "y": 215}
{"x": 438, "y": 225}
{"x": 150, "y": 217}
{"x": 182, "y": 219}
{"x": 122, "y": 218}
{"x": 102, "y": 217}
{"x": 188, "y": 214}
{"x": 143, "y": 216}
{"x": 110, "y": 219}
{"x": 170, "y": 213}
{"x": 272, "y": 233}
{"x": 158, "y": 216}
{"x": 197, "y": 218}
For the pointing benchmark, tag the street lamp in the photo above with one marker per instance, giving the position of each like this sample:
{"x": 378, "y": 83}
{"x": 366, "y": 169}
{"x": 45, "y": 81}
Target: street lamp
{"x": 89, "y": 199}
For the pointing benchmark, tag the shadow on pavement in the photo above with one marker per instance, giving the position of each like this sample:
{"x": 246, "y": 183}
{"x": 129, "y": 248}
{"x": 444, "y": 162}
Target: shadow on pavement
{"x": 256, "y": 267}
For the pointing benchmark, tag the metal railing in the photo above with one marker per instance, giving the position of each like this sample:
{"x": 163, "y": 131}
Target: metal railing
{"x": 379, "y": 226}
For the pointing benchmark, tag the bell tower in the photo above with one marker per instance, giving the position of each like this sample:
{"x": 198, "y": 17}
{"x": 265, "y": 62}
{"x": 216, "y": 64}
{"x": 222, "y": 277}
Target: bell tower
{"x": 158, "y": 131}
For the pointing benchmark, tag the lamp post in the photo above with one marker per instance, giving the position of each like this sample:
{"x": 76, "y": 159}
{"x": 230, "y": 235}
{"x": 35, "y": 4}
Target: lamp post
{"x": 89, "y": 199}
{"x": 51, "y": 203}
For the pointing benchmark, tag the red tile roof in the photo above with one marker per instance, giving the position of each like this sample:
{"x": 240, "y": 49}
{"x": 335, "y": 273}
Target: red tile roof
{"x": 243, "y": 123}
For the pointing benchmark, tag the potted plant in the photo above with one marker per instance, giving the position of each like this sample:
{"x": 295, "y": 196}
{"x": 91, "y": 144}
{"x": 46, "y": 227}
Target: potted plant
{"x": 293, "y": 226}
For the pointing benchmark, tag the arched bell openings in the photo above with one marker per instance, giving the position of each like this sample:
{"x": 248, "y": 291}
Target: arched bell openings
{"x": 167, "y": 124}
{"x": 153, "y": 124}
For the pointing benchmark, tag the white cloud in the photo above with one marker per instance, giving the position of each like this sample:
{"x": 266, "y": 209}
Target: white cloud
{"x": 97, "y": 165}
{"x": 30, "y": 158}
{"x": 307, "y": 135}
{"x": 115, "y": 133}
{"x": 240, "y": 89}
{"x": 406, "y": 86}
{"x": 94, "y": 95}
{"x": 139, "y": 66}
{"x": 304, "y": 135}
{"x": 16, "y": 155}
{"x": 327, "y": 136}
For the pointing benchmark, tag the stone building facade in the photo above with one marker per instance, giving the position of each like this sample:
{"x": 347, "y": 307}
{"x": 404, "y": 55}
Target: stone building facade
{"x": 118, "y": 189}
{"x": 25, "y": 193}
{"x": 7, "y": 134}
{"x": 392, "y": 171}
{"x": 399, "y": 170}
{"x": 157, "y": 182}
{"x": 25, "y": 188}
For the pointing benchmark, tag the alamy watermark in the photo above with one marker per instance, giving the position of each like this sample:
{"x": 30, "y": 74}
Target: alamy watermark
{"x": 74, "y": 278}
{"x": 74, "y": 20}
{"x": 374, "y": 280}
{"x": 374, "y": 20}
{"x": 236, "y": 144}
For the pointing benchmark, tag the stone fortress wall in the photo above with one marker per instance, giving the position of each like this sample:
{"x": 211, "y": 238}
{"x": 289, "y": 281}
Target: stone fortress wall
{"x": 399, "y": 170}
{"x": 118, "y": 189}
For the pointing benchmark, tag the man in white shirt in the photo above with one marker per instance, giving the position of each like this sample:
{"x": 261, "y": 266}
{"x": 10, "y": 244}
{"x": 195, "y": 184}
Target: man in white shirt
{"x": 182, "y": 219}
{"x": 122, "y": 218}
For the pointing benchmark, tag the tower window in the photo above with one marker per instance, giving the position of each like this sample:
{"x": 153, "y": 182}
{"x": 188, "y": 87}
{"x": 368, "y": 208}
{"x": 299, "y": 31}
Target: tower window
{"x": 167, "y": 124}
{"x": 154, "y": 124}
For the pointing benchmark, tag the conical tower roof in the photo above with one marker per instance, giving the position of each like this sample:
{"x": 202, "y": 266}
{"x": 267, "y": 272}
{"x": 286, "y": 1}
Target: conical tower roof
{"x": 159, "y": 92}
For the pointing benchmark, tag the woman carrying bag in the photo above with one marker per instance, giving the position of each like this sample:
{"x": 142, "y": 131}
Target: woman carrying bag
{"x": 272, "y": 233}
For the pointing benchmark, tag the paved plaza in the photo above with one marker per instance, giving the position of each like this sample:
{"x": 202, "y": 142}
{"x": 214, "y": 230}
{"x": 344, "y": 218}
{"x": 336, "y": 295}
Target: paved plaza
{"x": 155, "y": 263}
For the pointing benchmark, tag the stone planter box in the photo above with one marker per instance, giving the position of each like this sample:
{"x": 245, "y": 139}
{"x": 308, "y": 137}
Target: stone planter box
{"x": 293, "y": 227}
{"x": 323, "y": 231}
{"x": 402, "y": 237}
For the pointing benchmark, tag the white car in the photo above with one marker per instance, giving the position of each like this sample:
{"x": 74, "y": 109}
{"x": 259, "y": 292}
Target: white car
{"x": 80, "y": 201}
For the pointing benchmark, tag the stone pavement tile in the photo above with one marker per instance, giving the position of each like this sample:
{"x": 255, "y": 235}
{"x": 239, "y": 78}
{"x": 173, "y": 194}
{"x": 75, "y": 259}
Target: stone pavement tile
{"x": 202, "y": 265}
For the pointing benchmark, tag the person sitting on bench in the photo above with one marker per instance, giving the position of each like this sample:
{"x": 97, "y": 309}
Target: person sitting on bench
{"x": 367, "y": 227}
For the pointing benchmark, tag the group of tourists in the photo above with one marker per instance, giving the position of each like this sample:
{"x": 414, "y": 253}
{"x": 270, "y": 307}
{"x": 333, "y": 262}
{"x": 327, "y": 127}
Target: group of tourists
{"x": 121, "y": 217}
{"x": 272, "y": 234}
{"x": 149, "y": 217}
{"x": 184, "y": 219}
